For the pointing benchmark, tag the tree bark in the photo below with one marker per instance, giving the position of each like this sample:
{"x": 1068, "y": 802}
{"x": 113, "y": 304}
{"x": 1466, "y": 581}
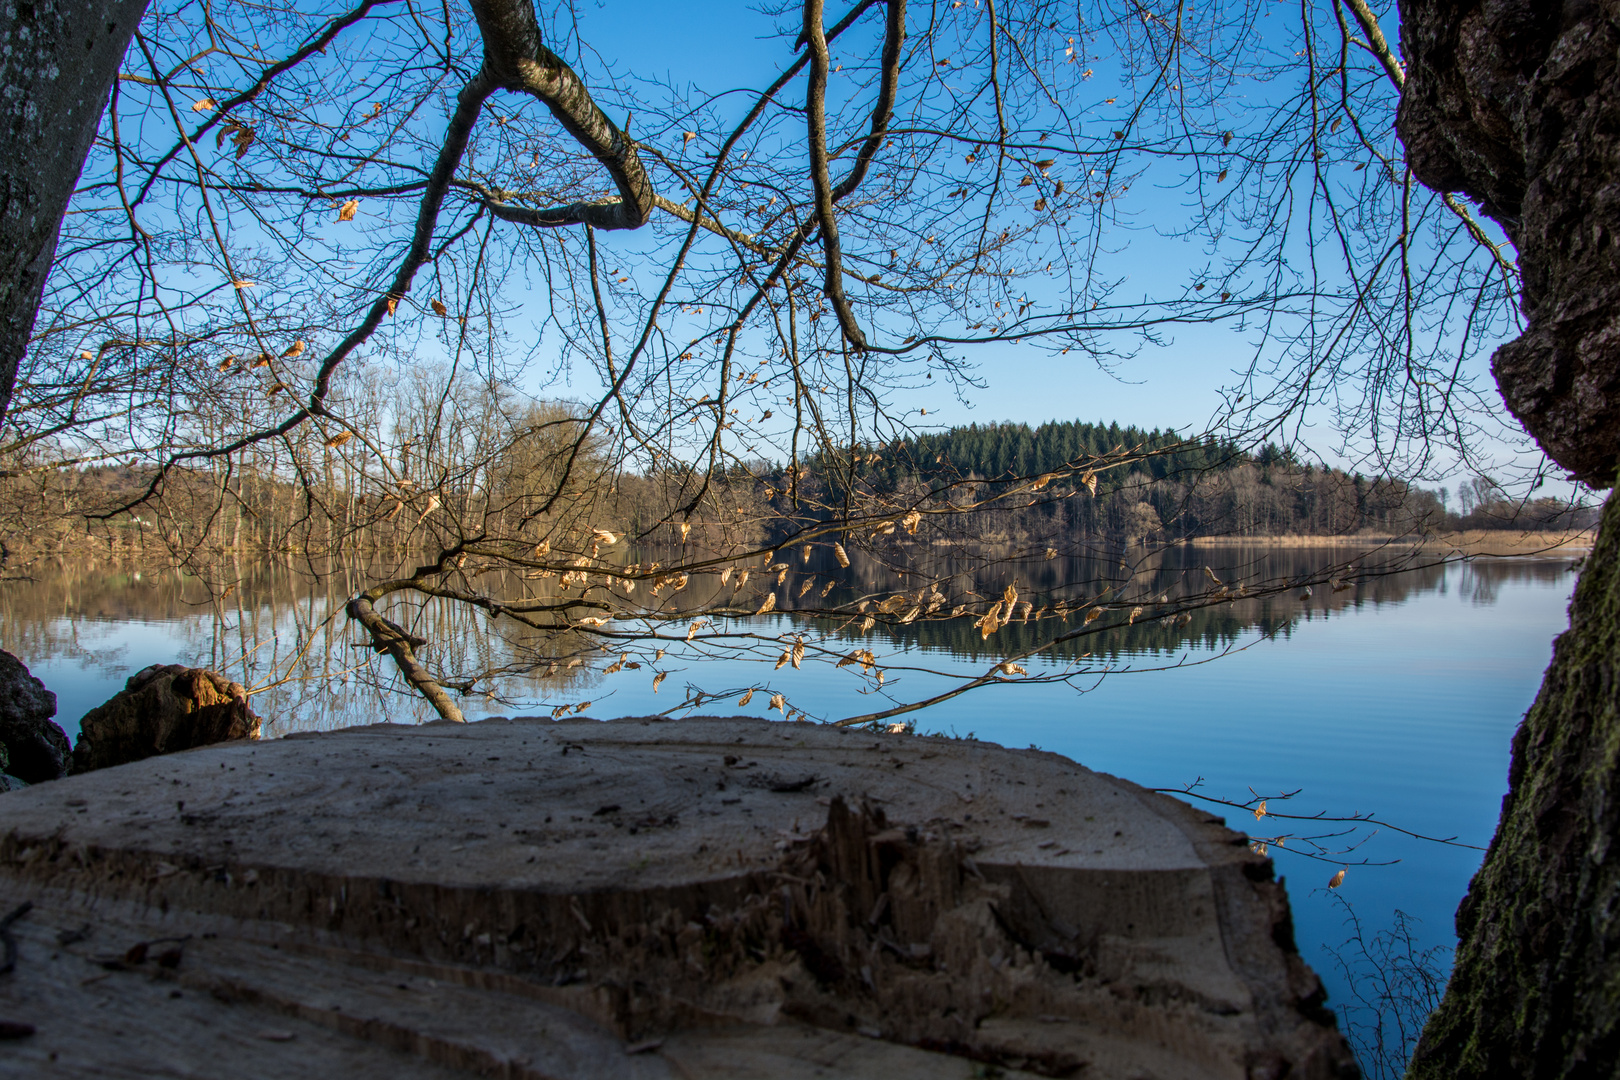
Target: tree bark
{"x": 1514, "y": 103}
{"x": 58, "y": 60}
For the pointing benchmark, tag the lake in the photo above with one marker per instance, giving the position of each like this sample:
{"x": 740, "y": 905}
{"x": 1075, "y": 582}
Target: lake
{"x": 1395, "y": 697}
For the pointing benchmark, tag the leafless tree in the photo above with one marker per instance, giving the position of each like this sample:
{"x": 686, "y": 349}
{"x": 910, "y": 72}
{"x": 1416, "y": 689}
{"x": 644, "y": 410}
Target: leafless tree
{"x": 281, "y": 208}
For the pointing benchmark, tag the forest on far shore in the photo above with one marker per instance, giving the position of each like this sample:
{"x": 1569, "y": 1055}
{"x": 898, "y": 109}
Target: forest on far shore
{"x": 1096, "y": 483}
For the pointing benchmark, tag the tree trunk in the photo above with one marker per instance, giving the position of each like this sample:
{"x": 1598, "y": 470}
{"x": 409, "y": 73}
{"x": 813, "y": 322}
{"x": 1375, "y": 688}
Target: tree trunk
{"x": 1513, "y": 102}
{"x": 1536, "y": 990}
{"x": 58, "y": 60}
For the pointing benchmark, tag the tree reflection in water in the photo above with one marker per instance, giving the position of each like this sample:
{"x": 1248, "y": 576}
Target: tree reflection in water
{"x": 281, "y": 629}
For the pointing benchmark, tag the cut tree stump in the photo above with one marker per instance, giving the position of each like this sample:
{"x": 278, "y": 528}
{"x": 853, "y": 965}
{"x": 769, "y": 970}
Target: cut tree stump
{"x": 696, "y": 898}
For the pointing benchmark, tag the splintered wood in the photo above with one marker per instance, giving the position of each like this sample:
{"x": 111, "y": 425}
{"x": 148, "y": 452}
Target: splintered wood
{"x": 705, "y": 897}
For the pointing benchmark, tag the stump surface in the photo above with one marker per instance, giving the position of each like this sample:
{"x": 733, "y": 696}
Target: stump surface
{"x": 704, "y": 897}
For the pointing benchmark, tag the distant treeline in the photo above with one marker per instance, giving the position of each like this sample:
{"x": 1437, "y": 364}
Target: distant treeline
{"x": 983, "y": 485}
{"x": 1169, "y": 487}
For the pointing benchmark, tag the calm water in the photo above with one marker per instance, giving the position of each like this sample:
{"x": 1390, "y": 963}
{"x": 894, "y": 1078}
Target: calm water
{"x": 1398, "y": 697}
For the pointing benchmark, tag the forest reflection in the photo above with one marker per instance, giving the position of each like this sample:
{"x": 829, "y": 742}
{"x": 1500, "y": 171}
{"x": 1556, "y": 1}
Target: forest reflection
{"x": 279, "y": 626}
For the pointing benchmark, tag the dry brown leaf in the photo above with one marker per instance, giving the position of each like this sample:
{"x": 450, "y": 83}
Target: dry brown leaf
{"x": 295, "y": 349}
{"x": 1260, "y": 811}
{"x": 746, "y": 698}
{"x": 779, "y": 702}
{"x": 439, "y": 308}
{"x": 346, "y": 211}
{"x": 798, "y": 653}
{"x": 203, "y": 104}
{"x": 1337, "y": 879}
{"x": 769, "y": 604}
{"x": 658, "y": 678}
{"x": 1089, "y": 482}
{"x": 840, "y": 554}
{"x": 1093, "y": 615}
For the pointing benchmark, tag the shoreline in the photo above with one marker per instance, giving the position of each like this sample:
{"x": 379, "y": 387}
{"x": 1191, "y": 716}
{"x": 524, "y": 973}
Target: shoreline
{"x": 1468, "y": 542}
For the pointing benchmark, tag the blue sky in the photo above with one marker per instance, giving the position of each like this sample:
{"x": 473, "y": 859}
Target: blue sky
{"x": 713, "y": 45}
{"x": 1173, "y": 384}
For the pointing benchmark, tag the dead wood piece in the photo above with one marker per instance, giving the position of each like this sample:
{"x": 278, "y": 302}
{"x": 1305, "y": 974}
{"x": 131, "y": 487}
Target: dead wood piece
{"x": 162, "y": 709}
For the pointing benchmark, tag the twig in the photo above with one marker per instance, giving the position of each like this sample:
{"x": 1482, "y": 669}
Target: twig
{"x": 9, "y": 942}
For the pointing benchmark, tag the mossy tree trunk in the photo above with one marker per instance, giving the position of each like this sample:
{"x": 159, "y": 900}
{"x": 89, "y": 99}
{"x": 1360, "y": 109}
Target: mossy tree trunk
{"x": 1517, "y": 104}
{"x": 1536, "y": 990}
